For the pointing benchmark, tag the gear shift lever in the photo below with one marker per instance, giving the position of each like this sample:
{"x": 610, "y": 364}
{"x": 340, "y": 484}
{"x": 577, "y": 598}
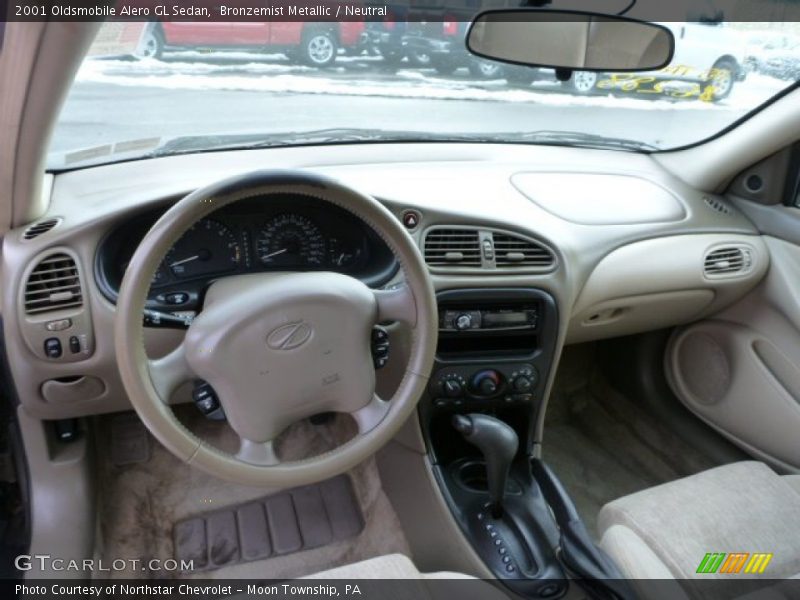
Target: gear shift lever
{"x": 498, "y": 443}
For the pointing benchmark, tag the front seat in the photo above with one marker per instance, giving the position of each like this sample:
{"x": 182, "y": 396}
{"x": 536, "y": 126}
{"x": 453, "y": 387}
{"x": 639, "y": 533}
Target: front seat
{"x": 443, "y": 585}
{"x": 665, "y": 532}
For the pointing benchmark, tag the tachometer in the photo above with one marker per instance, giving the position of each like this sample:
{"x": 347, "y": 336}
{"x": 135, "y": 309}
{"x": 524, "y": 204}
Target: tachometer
{"x": 290, "y": 241}
{"x": 208, "y": 247}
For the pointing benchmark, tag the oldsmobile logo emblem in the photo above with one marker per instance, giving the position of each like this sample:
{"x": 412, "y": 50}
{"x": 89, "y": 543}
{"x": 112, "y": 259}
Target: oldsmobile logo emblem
{"x": 289, "y": 336}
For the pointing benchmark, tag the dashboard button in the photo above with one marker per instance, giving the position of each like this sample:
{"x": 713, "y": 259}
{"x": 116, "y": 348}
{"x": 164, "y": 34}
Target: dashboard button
{"x": 177, "y": 298}
{"x": 52, "y": 348}
{"x": 411, "y": 219}
{"x": 522, "y": 397}
{"x": 488, "y": 250}
{"x": 59, "y": 325}
{"x": 74, "y": 344}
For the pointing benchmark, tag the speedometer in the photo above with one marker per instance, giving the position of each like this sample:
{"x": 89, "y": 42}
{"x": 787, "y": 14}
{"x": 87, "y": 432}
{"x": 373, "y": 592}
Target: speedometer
{"x": 290, "y": 241}
{"x": 208, "y": 247}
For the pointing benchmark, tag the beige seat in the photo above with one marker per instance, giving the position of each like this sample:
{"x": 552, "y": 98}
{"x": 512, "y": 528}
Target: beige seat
{"x": 665, "y": 531}
{"x": 442, "y": 585}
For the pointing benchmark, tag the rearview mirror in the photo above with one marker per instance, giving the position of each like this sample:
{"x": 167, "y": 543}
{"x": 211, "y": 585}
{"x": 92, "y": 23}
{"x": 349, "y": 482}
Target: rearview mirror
{"x": 570, "y": 40}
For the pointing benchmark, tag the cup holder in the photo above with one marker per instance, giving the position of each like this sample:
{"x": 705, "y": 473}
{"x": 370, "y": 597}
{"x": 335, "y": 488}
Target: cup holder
{"x": 471, "y": 476}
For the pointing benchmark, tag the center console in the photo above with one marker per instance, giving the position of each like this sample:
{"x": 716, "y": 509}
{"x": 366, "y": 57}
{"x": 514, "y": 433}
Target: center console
{"x": 496, "y": 348}
{"x": 495, "y": 353}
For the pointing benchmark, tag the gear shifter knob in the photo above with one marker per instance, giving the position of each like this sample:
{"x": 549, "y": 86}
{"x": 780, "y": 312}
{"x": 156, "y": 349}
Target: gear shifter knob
{"x": 498, "y": 443}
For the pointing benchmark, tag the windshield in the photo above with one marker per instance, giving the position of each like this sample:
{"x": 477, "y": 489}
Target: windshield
{"x": 150, "y": 89}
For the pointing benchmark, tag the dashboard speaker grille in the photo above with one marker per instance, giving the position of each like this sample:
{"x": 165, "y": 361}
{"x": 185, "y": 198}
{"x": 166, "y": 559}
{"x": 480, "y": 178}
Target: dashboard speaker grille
{"x": 717, "y": 205}
{"x": 447, "y": 247}
{"x": 54, "y": 284}
{"x": 726, "y": 261}
{"x": 39, "y": 228}
{"x": 512, "y": 251}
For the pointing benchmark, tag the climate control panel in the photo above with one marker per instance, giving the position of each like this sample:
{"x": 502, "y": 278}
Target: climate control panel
{"x": 470, "y": 386}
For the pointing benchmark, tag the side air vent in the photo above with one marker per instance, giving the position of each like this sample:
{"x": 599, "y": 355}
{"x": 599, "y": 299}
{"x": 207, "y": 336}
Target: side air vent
{"x": 512, "y": 251}
{"x": 447, "y": 247}
{"x": 39, "y": 228}
{"x": 727, "y": 261}
{"x": 717, "y": 205}
{"x": 54, "y": 284}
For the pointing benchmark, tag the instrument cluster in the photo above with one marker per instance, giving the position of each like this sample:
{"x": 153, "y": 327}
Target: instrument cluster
{"x": 251, "y": 236}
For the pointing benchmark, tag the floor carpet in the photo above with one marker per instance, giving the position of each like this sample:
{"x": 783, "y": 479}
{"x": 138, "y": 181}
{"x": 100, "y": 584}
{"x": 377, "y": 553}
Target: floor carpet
{"x": 140, "y": 502}
{"x": 603, "y": 445}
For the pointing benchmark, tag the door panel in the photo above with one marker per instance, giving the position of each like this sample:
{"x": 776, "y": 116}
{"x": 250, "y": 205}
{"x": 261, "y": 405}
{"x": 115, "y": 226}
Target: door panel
{"x": 248, "y": 33}
{"x": 195, "y": 33}
{"x": 740, "y": 371}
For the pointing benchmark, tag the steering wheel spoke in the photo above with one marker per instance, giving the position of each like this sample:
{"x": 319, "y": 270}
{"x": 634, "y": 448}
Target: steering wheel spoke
{"x": 370, "y": 416}
{"x": 170, "y": 371}
{"x": 396, "y": 304}
{"x": 257, "y": 453}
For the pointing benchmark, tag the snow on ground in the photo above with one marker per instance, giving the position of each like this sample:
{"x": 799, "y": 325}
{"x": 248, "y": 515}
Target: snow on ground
{"x": 363, "y": 76}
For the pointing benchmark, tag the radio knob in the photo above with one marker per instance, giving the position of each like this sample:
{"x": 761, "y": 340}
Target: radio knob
{"x": 463, "y": 321}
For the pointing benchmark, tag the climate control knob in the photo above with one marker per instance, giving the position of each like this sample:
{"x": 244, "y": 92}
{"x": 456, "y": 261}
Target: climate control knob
{"x": 487, "y": 386}
{"x": 522, "y": 384}
{"x": 452, "y": 388}
{"x": 486, "y": 383}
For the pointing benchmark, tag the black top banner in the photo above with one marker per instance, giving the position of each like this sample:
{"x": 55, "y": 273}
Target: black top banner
{"x": 710, "y": 11}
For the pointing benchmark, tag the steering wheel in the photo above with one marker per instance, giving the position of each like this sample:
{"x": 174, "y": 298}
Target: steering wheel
{"x": 278, "y": 347}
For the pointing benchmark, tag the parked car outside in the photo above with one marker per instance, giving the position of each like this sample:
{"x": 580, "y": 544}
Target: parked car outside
{"x": 385, "y": 37}
{"x": 758, "y": 43}
{"x": 313, "y": 44}
{"x": 708, "y": 61}
{"x": 779, "y": 58}
{"x": 442, "y": 43}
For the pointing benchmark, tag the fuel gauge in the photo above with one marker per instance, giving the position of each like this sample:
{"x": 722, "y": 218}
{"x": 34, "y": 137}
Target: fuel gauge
{"x": 344, "y": 254}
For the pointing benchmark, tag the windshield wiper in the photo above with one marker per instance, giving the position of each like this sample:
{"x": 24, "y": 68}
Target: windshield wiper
{"x": 157, "y": 147}
{"x": 182, "y": 145}
{"x": 577, "y": 138}
{"x": 340, "y": 135}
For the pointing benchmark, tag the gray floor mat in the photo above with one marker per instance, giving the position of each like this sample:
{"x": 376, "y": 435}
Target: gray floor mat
{"x": 298, "y": 519}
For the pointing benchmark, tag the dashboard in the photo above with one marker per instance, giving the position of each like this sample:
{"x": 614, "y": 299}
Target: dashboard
{"x": 611, "y": 271}
{"x": 255, "y": 235}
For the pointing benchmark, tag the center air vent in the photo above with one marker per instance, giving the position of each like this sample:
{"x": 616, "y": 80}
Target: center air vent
{"x": 485, "y": 249}
{"x": 727, "y": 261}
{"x": 39, "y": 228}
{"x": 512, "y": 251}
{"x": 453, "y": 248}
{"x": 54, "y": 284}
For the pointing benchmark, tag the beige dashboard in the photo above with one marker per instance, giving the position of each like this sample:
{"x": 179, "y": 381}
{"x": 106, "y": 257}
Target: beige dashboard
{"x": 633, "y": 248}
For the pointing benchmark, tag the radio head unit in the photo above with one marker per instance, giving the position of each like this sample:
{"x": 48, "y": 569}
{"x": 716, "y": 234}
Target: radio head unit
{"x": 489, "y": 319}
